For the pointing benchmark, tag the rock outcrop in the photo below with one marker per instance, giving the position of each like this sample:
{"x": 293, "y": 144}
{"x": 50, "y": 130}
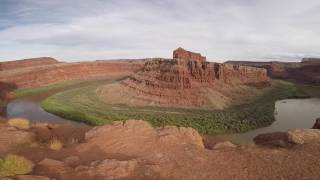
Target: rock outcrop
{"x": 6, "y": 93}
{"x": 136, "y": 150}
{"x": 188, "y": 81}
{"x": 9, "y": 65}
{"x": 182, "y": 54}
{"x": 40, "y": 72}
{"x": 308, "y": 71}
{"x": 287, "y": 139}
{"x": 316, "y": 124}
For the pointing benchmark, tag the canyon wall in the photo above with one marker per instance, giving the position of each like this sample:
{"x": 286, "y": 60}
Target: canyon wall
{"x": 307, "y": 71}
{"x": 185, "y": 82}
{"x": 49, "y": 72}
{"x": 27, "y": 63}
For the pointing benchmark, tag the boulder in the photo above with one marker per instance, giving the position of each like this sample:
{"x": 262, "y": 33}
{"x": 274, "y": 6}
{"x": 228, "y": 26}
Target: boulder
{"x": 72, "y": 160}
{"x": 137, "y": 136}
{"x": 115, "y": 169}
{"x": 11, "y": 136}
{"x": 224, "y": 145}
{"x": 316, "y": 124}
{"x": 276, "y": 139}
{"x": 287, "y": 139}
{"x": 54, "y": 168}
{"x": 301, "y": 136}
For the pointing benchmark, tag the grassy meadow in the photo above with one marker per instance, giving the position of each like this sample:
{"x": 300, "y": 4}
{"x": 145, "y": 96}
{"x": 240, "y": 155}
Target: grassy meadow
{"x": 82, "y": 104}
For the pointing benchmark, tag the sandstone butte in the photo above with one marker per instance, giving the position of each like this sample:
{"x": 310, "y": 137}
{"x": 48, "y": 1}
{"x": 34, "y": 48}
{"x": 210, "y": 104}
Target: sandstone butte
{"x": 187, "y": 80}
{"x": 42, "y": 71}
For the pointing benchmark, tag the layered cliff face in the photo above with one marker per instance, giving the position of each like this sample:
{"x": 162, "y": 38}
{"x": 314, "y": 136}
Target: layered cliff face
{"x": 181, "y": 53}
{"x": 43, "y": 72}
{"x": 185, "y": 83}
{"x": 9, "y": 65}
{"x": 307, "y": 71}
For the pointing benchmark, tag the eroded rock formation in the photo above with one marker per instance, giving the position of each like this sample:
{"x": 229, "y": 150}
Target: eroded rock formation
{"x": 184, "y": 82}
{"x": 183, "y": 54}
{"x": 27, "y": 63}
{"x": 136, "y": 150}
{"x": 308, "y": 71}
{"x": 39, "y": 72}
{"x": 316, "y": 124}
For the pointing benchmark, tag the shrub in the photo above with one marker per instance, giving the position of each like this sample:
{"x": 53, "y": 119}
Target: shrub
{"x": 55, "y": 145}
{"x": 19, "y": 123}
{"x": 15, "y": 165}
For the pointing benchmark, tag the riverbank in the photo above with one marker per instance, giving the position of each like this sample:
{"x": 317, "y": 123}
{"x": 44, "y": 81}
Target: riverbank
{"x": 83, "y": 105}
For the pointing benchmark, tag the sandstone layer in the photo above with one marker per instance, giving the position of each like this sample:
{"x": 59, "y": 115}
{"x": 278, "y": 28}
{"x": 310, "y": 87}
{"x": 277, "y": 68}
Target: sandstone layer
{"x": 41, "y": 72}
{"x": 186, "y": 83}
{"x": 27, "y": 63}
{"x": 307, "y": 71}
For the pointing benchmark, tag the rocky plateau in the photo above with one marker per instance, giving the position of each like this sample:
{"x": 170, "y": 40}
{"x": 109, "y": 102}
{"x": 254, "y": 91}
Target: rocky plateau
{"x": 307, "y": 71}
{"x": 187, "y": 80}
{"x": 136, "y": 150}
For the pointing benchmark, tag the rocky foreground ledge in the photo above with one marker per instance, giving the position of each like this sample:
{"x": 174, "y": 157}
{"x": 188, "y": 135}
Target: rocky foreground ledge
{"x": 135, "y": 150}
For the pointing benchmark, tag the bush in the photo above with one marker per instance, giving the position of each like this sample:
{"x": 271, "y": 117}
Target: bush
{"x": 15, "y": 165}
{"x": 55, "y": 145}
{"x": 19, "y": 123}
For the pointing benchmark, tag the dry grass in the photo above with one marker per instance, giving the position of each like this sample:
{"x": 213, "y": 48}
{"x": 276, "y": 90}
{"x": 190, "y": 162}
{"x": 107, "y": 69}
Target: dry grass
{"x": 15, "y": 165}
{"x": 55, "y": 145}
{"x": 19, "y": 123}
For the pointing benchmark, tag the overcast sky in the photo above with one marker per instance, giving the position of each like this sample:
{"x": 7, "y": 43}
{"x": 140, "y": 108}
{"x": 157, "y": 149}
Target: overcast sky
{"x": 73, "y": 30}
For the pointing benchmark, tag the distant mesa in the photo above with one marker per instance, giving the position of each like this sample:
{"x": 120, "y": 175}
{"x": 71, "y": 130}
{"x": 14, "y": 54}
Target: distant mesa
{"x": 27, "y": 63}
{"x": 180, "y": 53}
{"x": 311, "y": 60}
{"x": 187, "y": 80}
{"x": 45, "y": 70}
{"x": 307, "y": 71}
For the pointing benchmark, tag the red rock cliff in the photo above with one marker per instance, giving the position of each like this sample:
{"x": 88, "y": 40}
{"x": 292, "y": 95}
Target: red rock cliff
{"x": 185, "y": 83}
{"x": 187, "y": 55}
{"x": 27, "y": 63}
{"x": 39, "y": 75}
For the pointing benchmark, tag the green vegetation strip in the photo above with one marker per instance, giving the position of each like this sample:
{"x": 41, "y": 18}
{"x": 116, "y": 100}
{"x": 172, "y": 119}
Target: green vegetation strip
{"x": 82, "y": 104}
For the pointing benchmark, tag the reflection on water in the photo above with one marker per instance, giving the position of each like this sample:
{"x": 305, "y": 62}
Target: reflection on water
{"x": 289, "y": 114}
{"x": 29, "y": 108}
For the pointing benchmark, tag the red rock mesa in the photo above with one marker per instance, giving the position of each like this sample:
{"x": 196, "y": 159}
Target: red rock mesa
{"x": 180, "y": 53}
{"x": 186, "y": 80}
{"x": 307, "y": 71}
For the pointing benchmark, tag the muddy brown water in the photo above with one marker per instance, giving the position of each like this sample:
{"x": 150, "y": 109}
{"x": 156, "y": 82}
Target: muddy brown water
{"x": 30, "y": 108}
{"x": 291, "y": 113}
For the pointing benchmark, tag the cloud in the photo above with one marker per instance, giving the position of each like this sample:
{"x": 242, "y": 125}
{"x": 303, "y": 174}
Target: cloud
{"x": 108, "y": 29}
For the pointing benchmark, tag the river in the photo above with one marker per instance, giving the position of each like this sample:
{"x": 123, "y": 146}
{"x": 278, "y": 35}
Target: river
{"x": 290, "y": 113}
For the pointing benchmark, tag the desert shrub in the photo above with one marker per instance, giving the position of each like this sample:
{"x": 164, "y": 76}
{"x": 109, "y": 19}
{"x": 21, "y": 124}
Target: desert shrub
{"x": 19, "y": 123}
{"x": 55, "y": 144}
{"x": 14, "y": 165}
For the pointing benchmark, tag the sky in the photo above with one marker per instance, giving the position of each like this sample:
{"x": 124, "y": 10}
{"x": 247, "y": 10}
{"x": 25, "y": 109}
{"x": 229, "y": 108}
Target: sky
{"x": 81, "y": 30}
